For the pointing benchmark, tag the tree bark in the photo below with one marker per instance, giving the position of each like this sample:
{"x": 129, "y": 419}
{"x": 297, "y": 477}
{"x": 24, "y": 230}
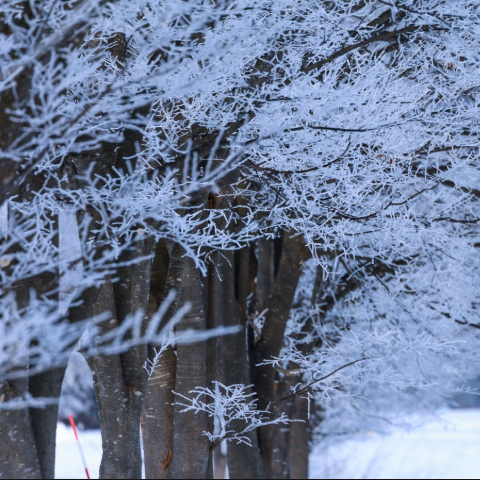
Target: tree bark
{"x": 300, "y": 440}
{"x": 157, "y": 416}
{"x": 44, "y": 420}
{"x": 229, "y": 309}
{"x": 191, "y": 449}
{"x": 119, "y": 404}
{"x": 281, "y": 437}
{"x": 294, "y": 254}
{"x": 32, "y": 431}
{"x": 265, "y": 273}
{"x": 18, "y": 453}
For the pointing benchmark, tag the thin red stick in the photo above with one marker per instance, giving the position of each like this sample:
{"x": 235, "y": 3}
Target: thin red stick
{"x": 72, "y": 423}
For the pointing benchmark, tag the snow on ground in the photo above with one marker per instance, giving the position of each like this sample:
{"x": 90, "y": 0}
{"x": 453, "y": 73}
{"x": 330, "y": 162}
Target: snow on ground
{"x": 69, "y": 462}
{"x": 447, "y": 448}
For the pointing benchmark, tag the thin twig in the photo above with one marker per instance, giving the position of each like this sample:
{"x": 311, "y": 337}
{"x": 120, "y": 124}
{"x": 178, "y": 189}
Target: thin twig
{"x": 308, "y": 388}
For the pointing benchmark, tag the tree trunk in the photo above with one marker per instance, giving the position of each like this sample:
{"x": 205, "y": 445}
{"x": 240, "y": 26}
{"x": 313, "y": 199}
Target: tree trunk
{"x": 18, "y": 454}
{"x": 191, "y": 449}
{"x": 228, "y": 307}
{"x": 31, "y": 450}
{"x": 300, "y": 440}
{"x": 281, "y": 439}
{"x": 294, "y": 253}
{"x": 265, "y": 273}
{"x": 119, "y": 405}
{"x": 157, "y": 416}
{"x": 44, "y": 420}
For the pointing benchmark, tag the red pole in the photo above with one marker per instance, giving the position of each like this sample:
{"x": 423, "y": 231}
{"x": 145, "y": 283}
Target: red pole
{"x": 72, "y": 423}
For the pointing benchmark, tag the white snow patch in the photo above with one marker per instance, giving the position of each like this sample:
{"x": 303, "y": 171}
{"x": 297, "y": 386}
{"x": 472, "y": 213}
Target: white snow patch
{"x": 447, "y": 448}
{"x": 68, "y": 463}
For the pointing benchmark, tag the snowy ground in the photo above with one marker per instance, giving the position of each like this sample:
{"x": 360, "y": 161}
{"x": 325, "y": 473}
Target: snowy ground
{"x": 69, "y": 462}
{"x": 448, "y": 448}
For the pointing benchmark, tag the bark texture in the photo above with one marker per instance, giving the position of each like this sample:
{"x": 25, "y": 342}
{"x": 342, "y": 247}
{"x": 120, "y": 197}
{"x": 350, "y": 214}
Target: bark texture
{"x": 300, "y": 440}
{"x": 18, "y": 453}
{"x": 120, "y": 392}
{"x": 191, "y": 449}
{"x": 157, "y": 416}
{"x": 44, "y": 420}
{"x": 229, "y": 309}
{"x": 294, "y": 253}
{"x": 281, "y": 436}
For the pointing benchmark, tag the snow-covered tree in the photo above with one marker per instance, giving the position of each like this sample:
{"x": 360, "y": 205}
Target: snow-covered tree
{"x": 303, "y": 173}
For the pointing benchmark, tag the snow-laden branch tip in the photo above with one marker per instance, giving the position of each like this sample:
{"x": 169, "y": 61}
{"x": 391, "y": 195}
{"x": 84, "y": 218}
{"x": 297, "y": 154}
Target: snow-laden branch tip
{"x": 233, "y": 407}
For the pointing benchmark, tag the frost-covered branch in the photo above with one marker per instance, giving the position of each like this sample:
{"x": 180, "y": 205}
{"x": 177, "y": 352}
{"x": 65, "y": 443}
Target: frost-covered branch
{"x": 233, "y": 407}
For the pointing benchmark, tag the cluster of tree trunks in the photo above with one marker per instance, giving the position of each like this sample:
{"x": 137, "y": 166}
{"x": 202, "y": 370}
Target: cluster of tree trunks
{"x": 173, "y": 442}
{"x": 259, "y": 277}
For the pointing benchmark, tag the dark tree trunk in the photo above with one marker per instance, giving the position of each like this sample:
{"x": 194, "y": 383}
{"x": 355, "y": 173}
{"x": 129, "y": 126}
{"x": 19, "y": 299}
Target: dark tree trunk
{"x": 157, "y": 416}
{"x": 265, "y": 273}
{"x": 32, "y": 431}
{"x": 131, "y": 293}
{"x": 18, "y": 453}
{"x": 229, "y": 309}
{"x": 119, "y": 406}
{"x": 294, "y": 254}
{"x": 281, "y": 439}
{"x": 191, "y": 449}
{"x": 121, "y": 380}
{"x": 44, "y": 420}
{"x": 300, "y": 440}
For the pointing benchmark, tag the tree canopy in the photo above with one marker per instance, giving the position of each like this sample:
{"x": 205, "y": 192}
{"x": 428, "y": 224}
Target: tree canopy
{"x": 258, "y": 221}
